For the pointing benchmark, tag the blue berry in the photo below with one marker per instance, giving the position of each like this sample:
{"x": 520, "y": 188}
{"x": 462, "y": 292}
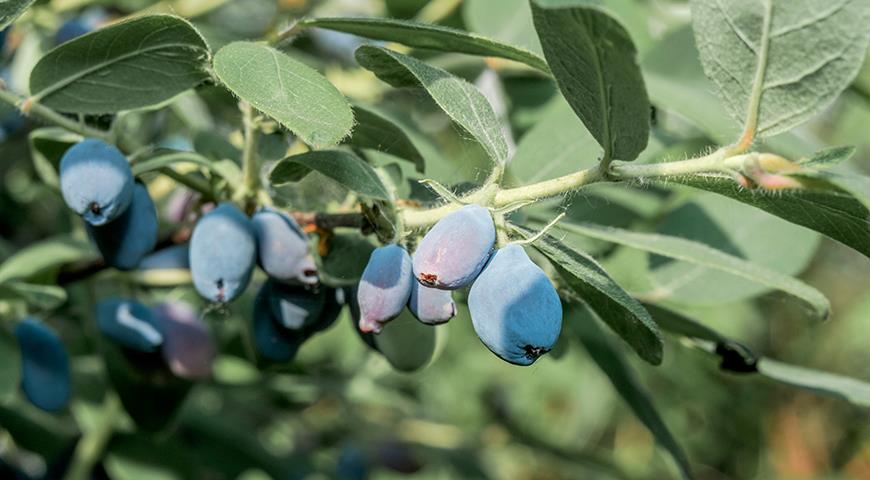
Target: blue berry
{"x": 454, "y": 251}
{"x": 45, "y": 372}
{"x": 431, "y": 305}
{"x": 129, "y": 323}
{"x": 282, "y": 248}
{"x": 384, "y": 288}
{"x": 125, "y": 241}
{"x": 96, "y": 181}
{"x": 223, "y": 250}
{"x": 514, "y": 307}
{"x": 188, "y": 347}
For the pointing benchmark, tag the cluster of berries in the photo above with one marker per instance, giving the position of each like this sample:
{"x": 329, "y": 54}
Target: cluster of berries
{"x": 514, "y": 307}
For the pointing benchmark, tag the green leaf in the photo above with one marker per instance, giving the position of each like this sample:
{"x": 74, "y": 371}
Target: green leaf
{"x": 44, "y": 256}
{"x": 829, "y": 157}
{"x": 595, "y": 65}
{"x": 830, "y": 212}
{"x": 43, "y": 297}
{"x": 557, "y": 145}
{"x": 852, "y": 390}
{"x": 10, "y": 366}
{"x": 460, "y": 100}
{"x": 432, "y": 37}
{"x": 625, "y": 315}
{"x": 702, "y": 255}
{"x": 609, "y": 358}
{"x": 343, "y": 167}
{"x": 506, "y": 20}
{"x": 377, "y": 131}
{"x": 747, "y": 50}
{"x": 47, "y": 146}
{"x": 163, "y": 160}
{"x": 133, "y": 64}
{"x": 742, "y": 231}
{"x": 287, "y": 90}
{"x": 10, "y": 10}
{"x": 676, "y": 83}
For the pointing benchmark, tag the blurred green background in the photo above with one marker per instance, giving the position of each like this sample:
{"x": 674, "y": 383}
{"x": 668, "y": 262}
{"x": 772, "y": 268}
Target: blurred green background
{"x": 339, "y": 410}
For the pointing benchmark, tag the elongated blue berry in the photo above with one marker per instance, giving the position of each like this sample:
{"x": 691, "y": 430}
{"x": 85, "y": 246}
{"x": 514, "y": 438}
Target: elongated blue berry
{"x": 384, "y": 287}
{"x": 129, "y": 323}
{"x": 431, "y": 305}
{"x": 223, "y": 250}
{"x": 514, "y": 307}
{"x": 96, "y": 181}
{"x": 272, "y": 341}
{"x": 45, "y": 373}
{"x": 295, "y": 307}
{"x": 126, "y": 240}
{"x": 454, "y": 251}
{"x": 282, "y": 248}
{"x": 188, "y": 347}
{"x": 175, "y": 256}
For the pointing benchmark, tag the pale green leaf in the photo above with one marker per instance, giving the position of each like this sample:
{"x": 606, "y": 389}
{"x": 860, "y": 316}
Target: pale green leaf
{"x": 702, "y": 255}
{"x": 133, "y": 64}
{"x": 609, "y": 358}
{"x": 429, "y": 36}
{"x": 44, "y": 256}
{"x": 287, "y": 90}
{"x": 343, "y": 167}
{"x": 776, "y": 63}
{"x": 737, "y": 357}
{"x": 676, "y": 83}
{"x": 460, "y": 100}
{"x": 43, "y": 297}
{"x": 615, "y": 306}
{"x": 10, "y": 10}
{"x": 595, "y": 65}
{"x": 740, "y": 230}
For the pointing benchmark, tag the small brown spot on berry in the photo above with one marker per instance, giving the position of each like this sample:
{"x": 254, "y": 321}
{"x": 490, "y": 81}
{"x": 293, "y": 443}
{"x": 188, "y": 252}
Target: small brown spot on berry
{"x": 428, "y": 279}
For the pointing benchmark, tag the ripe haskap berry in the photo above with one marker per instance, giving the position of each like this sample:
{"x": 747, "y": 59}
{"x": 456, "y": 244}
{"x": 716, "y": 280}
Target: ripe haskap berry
{"x": 455, "y": 250}
{"x": 514, "y": 307}
{"x": 431, "y": 305}
{"x": 129, "y": 323}
{"x": 173, "y": 257}
{"x": 125, "y": 241}
{"x": 223, "y": 250}
{"x": 45, "y": 373}
{"x": 335, "y": 299}
{"x": 384, "y": 287}
{"x": 188, "y": 347}
{"x": 295, "y": 307}
{"x": 272, "y": 341}
{"x": 282, "y": 248}
{"x": 407, "y": 344}
{"x": 96, "y": 181}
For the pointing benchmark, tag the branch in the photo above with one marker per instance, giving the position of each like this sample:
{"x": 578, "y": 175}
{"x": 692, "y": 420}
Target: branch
{"x": 31, "y": 108}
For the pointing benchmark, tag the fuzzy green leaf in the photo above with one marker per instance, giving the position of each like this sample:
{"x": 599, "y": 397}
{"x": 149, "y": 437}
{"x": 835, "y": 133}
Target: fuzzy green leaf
{"x": 595, "y": 65}
{"x": 287, "y": 90}
{"x": 343, "y": 167}
{"x": 776, "y": 63}
{"x": 460, "y": 100}
{"x": 44, "y": 256}
{"x": 133, "y": 64}
{"x": 428, "y": 36}
{"x": 10, "y": 10}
